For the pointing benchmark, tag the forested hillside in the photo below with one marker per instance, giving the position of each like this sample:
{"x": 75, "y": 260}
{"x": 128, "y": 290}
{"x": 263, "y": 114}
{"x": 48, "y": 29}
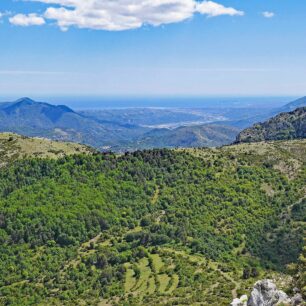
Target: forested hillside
{"x": 284, "y": 126}
{"x": 158, "y": 227}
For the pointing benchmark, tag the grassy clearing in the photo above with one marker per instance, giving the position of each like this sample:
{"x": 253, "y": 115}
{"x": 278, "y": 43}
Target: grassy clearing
{"x": 164, "y": 280}
{"x": 145, "y": 272}
{"x": 155, "y": 196}
{"x": 149, "y": 281}
{"x": 130, "y": 280}
{"x": 173, "y": 283}
{"x": 151, "y": 285}
{"x": 157, "y": 262}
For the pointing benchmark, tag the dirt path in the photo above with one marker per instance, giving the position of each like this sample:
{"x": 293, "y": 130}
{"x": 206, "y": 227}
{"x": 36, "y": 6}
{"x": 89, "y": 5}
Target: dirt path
{"x": 155, "y": 196}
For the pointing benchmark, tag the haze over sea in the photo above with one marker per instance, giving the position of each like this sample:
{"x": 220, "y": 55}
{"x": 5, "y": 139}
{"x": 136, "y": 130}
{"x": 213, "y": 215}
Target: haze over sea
{"x": 91, "y": 102}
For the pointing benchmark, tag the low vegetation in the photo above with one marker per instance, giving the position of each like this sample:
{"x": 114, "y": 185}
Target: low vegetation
{"x": 13, "y": 147}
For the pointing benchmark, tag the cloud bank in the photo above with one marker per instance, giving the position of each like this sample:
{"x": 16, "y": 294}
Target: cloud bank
{"x": 27, "y": 20}
{"x": 122, "y": 15}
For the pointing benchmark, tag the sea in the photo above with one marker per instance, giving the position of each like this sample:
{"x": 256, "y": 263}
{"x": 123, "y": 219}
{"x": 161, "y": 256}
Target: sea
{"x": 89, "y": 102}
{"x": 121, "y": 102}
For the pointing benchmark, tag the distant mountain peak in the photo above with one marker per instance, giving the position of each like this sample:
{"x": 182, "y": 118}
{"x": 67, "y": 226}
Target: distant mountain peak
{"x": 26, "y": 108}
{"x": 19, "y": 104}
{"x": 25, "y": 100}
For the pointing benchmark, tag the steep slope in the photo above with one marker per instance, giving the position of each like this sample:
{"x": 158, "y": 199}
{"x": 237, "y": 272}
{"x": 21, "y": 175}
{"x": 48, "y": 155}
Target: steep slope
{"x": 14, "y": 147}
{"x": 293, "y": 105}
{"x": 284, "y": 126}
{"x": 243, "y": 120}
{"x": 158, "y": 227}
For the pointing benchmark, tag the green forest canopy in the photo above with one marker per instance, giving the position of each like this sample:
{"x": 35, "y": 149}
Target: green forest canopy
{"x": 184, "y": 226}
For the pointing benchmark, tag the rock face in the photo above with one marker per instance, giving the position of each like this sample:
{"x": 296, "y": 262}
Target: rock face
{"x": 240, "y": 302}
{"x": 265, "y": 293}
{"x": 297, "y": 300}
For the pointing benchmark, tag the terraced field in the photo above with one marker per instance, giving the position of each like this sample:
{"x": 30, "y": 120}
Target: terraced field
{"x": 163, "y": 276}
{"x": 149, "y": 276}
{"x": 167, "y": 276}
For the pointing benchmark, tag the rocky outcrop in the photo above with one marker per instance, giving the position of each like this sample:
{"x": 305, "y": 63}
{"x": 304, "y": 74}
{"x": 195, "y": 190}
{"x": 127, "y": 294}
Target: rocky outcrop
{"x": 297, "y": 300}
{"x": 240, "y": 302}
{"x": 265, "y": 293}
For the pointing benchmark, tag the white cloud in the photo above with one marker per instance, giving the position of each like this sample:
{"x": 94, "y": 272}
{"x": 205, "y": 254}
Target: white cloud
{"x": 268, "y": 14}
{"x": 118, "y": 15}
{"x": 213, "y": 9}
{"x": 27, "y": 20}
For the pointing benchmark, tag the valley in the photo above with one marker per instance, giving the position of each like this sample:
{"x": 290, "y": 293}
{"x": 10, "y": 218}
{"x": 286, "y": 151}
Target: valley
{"x": 130, "y": 129}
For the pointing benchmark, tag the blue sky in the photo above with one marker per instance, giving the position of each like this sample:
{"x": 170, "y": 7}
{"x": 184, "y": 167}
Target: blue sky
{"x": 221, "y": 48}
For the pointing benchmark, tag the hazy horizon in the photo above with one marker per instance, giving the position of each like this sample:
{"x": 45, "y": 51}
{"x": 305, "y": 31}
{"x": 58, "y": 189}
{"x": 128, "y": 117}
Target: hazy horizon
{"x": 101, "y": 102}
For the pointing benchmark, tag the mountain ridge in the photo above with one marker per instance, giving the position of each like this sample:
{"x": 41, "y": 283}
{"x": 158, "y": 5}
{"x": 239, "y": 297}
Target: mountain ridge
{"x": 301, "y": 102}
{"x": 58, "y": 122}
{"x": 261, "y": 117}
{"x": 285, "y": 126}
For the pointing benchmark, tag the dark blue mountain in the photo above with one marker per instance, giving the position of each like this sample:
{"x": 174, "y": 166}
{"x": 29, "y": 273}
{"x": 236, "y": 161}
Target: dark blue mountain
{"x": 31, "y": 118}
{"x": 27, "y": 106}
{"x": 293, "y": 105}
